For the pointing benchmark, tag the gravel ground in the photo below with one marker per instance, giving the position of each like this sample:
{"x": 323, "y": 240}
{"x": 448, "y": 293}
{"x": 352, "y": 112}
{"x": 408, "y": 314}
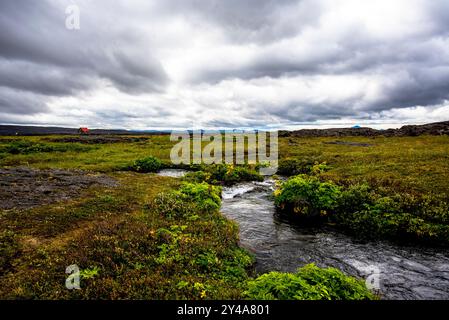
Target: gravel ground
{"x": 24, "y": 187}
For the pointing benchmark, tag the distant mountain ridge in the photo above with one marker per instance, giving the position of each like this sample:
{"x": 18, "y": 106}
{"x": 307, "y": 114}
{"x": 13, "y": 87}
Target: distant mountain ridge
{"x": 437, "y": 128}
{"x": 10, "y": 130}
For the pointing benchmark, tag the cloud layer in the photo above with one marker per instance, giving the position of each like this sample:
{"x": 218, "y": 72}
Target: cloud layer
{"x": 255, "y": 63}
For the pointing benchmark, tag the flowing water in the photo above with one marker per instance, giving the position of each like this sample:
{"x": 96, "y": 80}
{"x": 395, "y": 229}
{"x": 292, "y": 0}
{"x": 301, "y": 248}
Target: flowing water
{"x": 174, "y": 173}
{"x": 399, "y": 272}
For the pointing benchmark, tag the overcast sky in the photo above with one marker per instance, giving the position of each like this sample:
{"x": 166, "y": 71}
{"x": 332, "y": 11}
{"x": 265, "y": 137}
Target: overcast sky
{"x": 142, "y": 64}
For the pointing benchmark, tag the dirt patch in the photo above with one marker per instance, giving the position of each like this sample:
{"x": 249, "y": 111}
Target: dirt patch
{"x": 98, "y": 139}
{"x": 26, "y": 188}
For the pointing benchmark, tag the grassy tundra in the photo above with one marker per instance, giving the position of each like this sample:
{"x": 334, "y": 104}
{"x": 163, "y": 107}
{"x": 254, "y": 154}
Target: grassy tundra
{"x": 153, "y": 237}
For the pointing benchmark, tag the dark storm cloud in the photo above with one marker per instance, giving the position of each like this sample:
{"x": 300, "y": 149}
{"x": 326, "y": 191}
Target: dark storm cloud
{"x": 38, "y": 53}
{"x": 421, "y": 87}
{"x": 358, "y": 51}
{"x": 355, "y": 51}
{"x": 151, "y": 112}
{"x": 41, "y": 79}
{"x": 271, "y": 66}
{"x": 249, "y": 21}
{"x": 130, "y": 72}
{"x": 157, "y": 49}
{"x": 300, "y": 112}
{"x": 20, "y": 103}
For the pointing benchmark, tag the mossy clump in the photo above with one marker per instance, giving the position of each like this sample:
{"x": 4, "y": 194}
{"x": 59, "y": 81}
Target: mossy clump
{"x": 225, "y": 174}
{"x": 308, "y": 283}
{"x": 295, "y": 166}
{"x": 365, "y": 211}
{"x": 188, "y": 200}
{"x": 306, "y": 197}
{"x": 207, "y": 197}
{"x": 375, "y": 213}
{"x": 147, "y": 164}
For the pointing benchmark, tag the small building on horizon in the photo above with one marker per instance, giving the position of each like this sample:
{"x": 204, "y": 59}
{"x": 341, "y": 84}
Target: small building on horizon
{"x": 83, "y": 130}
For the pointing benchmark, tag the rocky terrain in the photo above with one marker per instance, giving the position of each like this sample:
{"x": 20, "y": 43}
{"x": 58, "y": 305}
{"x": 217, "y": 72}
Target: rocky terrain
{"x": 438, "y": 128}
{"x": 24, "y": 187}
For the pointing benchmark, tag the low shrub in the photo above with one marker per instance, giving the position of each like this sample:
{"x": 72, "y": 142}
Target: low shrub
{"x": 190, "y": 199}
{"x": 293, "y": 167}
{"x": 9, "y": 248}
{"x": 399, "y": 216}
{"x": 365, "y": 211}
{"x": 224, "y": 174}
{"x": 308, "y": 283}
{"x": 428, "y": 207}
{"x": 205, "y": 196}
{"x": 198, "y": 177}
{"x": 307, "y": 197}
{"x": 171, "y": 205}
{"x": 148, "y": 164}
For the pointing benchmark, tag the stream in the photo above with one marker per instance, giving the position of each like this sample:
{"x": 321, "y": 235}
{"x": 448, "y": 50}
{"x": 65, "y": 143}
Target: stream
{"x": 400, "y": 272}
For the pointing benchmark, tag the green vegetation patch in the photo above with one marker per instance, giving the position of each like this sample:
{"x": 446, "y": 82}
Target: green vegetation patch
{"x": 148, "y": 164}
{"x": 307, "y": 197}
{"x": 130, "y": 244}
{"x": 225, "y": 174}
{"x": 9, "y": 249}
{"x": 366, "y": 211}
{"x": 27, "y": 147}
{"x": 308, "y": 283}
{"x": 158, "y": 238}
{"x": 377, "y": 213}
{"x": 304, "y": 165}
{"x": 190, "y": 200}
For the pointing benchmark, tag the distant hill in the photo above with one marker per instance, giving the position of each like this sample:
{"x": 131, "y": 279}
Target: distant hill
{"x": 8, "y": 130}
{"x": 437, "y": 128}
